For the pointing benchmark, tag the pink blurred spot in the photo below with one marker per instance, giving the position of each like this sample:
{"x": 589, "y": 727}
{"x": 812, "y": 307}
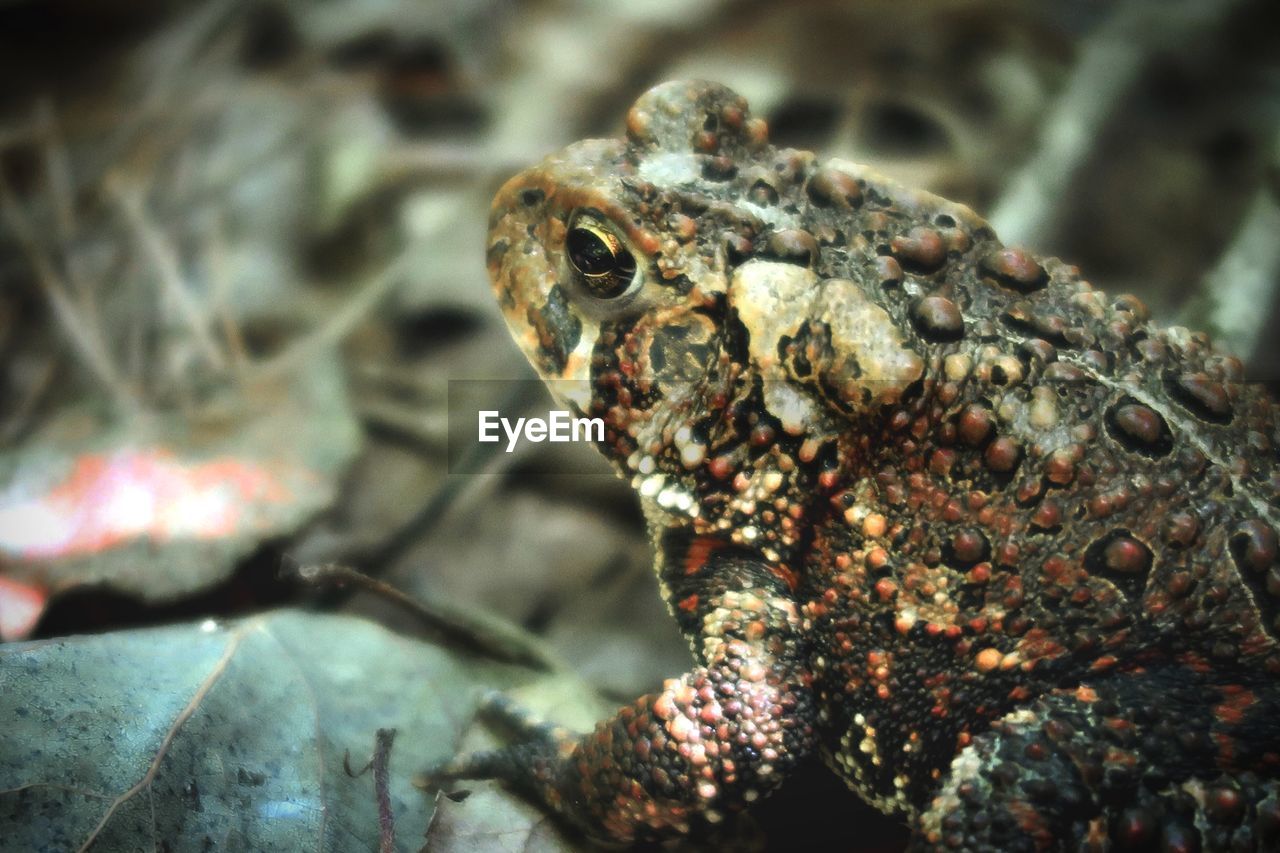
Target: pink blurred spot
{"x": 20, "y": 609}
{"x": 108, "y": 499}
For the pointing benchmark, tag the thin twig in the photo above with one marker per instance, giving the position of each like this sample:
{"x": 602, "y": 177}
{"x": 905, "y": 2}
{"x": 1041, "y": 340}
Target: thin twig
{"x": 58, "y": 174}
{"x": 1112, "y": 59}
{"x": 84, "y": 337}
{"x": 417, "y": 161}
{"x": 1243, "y": 283}
{"x": 382, "y": 790}
{"x": 221, "y": 278}
{"x": 482, "y": 633}
{"x": 61, "y": 181}
{"x": 425, "y": 427}
{"x": 464, "y": 484}
{"x": 397, "y": 379}
{"x": 165, "y": 261}
{"x": 170, "y": 62}
{"x": 380, "y": 763}
{"x": 141, "y": 322}
{"x": 337, "y": 327}
{"x": 18, "y": 420}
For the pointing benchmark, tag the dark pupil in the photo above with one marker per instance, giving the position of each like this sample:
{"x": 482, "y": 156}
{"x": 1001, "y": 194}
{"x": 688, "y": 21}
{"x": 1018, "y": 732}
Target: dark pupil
{"x": 606, "y": 267}
{"x": 590, "y": 254}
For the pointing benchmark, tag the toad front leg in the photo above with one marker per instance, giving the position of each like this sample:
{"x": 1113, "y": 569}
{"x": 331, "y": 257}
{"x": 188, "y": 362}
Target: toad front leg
{"x": 709, "y": 743}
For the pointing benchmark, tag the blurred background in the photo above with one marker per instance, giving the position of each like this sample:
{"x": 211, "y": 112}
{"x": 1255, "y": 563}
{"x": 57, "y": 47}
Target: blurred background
{"x": 242, "y": 261}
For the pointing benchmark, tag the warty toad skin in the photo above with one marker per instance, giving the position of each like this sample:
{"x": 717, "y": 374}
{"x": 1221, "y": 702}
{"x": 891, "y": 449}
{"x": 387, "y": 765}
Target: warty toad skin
{"x": 997, "y": 548}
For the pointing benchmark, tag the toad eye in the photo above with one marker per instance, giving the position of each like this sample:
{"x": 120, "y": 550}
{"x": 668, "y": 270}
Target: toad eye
{"x": 603, "y": 263}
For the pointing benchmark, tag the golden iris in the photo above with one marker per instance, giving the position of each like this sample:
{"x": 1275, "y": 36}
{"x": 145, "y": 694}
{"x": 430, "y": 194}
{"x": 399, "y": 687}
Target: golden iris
{"x": 604, "y": 264}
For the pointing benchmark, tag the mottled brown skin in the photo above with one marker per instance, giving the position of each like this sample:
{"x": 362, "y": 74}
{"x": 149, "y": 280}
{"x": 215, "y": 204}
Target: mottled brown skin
{"x": 1000, "y": 550}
